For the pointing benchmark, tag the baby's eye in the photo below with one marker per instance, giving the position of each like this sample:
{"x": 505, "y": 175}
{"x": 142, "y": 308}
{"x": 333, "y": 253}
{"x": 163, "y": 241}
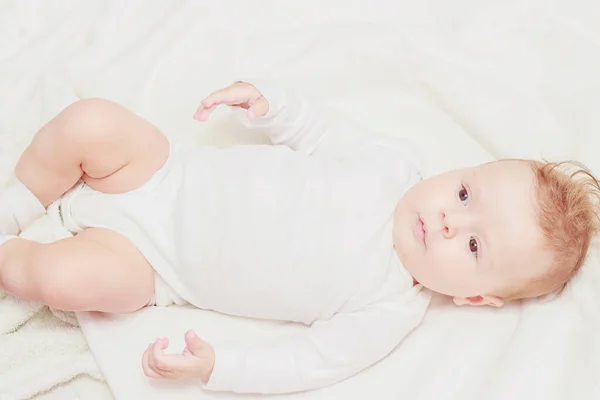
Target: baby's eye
{"x": 474, "y": 246}
{"x": 463, "y": 195}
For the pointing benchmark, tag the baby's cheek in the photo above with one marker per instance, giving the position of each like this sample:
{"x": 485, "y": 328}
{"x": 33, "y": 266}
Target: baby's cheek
{"x": 444, "y": 273}
{"x": 431, "y": 270}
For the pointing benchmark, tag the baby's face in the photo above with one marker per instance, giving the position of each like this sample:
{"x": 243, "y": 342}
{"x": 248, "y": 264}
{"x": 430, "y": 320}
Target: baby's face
{"x": 471, "y": 233}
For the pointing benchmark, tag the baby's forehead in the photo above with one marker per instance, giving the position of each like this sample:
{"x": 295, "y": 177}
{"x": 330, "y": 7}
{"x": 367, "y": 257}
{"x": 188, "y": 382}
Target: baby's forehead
{"x": 509, "y": 205}
{"x": 507, "y": 189}
{"x": 507, "y": 171}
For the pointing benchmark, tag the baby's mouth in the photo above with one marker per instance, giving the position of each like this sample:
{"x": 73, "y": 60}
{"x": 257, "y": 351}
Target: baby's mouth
{"x": 421, "y": 230}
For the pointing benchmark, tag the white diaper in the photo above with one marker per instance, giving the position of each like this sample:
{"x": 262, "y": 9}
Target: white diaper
{"x": 144, "y": 216}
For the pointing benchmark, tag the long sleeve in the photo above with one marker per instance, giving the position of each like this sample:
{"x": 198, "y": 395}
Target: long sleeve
{"x": 321, "y": 355}
{"x": 296, "y": 121}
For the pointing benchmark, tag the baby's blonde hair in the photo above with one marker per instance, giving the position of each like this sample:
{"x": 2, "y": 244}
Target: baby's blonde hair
{"x": 567, "y": 197}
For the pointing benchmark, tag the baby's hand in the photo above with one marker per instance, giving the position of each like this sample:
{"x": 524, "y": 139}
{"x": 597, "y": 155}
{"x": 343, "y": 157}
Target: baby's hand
{"x": 240, "y": 94}
{"x": 195, "y": 362}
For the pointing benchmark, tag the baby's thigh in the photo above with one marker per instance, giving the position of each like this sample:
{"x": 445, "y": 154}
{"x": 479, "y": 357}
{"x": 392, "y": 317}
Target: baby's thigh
{"x": 96, "y": 270}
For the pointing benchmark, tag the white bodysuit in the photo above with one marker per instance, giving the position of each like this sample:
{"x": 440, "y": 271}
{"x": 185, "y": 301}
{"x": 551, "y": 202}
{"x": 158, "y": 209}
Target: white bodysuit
{"x": 300, "y": 230}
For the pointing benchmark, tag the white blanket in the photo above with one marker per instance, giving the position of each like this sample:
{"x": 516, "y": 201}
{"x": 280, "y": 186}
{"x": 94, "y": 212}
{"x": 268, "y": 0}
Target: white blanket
{"x": 469, "y": 81}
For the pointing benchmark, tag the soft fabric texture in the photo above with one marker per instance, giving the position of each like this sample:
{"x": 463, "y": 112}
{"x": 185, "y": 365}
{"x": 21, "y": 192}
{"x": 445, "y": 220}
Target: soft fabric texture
{"x": 468, "y": 81}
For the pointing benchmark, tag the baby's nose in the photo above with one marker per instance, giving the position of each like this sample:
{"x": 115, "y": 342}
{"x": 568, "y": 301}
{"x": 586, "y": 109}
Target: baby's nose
{"x": 448, "y": 226}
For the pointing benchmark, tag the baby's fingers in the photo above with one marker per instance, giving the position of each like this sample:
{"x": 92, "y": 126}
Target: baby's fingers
{"x": 156, "y": 358}
{"x": 236, "y": 94}
{"x": 203, "y": 113}
{"x": 148, "y": 371}
{"x": 239, "y": 94}
{"x": 170, "y": 366}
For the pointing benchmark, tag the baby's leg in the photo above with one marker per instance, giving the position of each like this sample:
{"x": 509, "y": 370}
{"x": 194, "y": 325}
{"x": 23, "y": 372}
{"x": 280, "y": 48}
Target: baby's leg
{"x": 110, "y": 147}
{"x": 113, "y": 151}
{"x": 97, "y": 270}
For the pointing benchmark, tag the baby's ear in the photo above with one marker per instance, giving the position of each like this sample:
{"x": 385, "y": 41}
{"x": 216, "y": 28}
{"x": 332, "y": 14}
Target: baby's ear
{"x": 479, "y": 301}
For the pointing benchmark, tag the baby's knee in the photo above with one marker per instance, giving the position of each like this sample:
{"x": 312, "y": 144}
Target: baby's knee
{"x": 17, "y": 276}
{"x": 45, "y": 283}
{"x": 60, "y": 290}
{"x": 73, "y": 287}
{"x": 33, "y": 275}
{"x": 85, "y": 120}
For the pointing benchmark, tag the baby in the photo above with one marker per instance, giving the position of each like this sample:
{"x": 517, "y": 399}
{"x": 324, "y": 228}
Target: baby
{"x": 331, "y": 227}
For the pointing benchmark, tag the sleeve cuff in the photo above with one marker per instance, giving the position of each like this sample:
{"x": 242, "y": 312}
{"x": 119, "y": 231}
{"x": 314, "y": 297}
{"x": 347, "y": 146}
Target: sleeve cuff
{"x": 228, "y": 366}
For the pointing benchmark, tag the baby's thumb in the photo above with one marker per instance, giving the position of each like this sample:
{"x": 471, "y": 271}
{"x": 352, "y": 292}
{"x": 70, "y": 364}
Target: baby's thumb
{"x": 193, "y": 343}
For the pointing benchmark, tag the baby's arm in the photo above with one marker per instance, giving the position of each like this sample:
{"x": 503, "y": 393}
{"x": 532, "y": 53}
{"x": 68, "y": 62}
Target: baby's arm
{"x": 326, "y": 353}
{"x": 295, "y": 121}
